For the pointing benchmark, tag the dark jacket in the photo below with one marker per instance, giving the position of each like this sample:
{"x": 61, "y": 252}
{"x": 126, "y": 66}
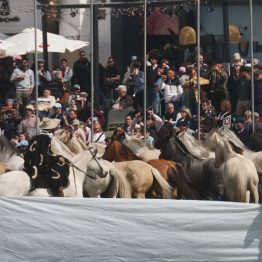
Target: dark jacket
{"x": 152, "y": 76}
{"x": 258, "y": 91}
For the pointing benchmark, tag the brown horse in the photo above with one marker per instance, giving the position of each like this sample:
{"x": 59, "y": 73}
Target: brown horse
{"x": 118, "y": 152}
{"x": 175, "y": 175}
{"x": 172, "y": 172}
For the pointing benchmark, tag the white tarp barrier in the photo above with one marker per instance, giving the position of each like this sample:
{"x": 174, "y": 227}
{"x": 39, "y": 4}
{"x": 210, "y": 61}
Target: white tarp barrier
{"x": 52, "y": 229}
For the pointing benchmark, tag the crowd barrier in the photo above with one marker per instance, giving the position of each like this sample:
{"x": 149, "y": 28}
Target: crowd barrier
{"x": 73, "y": 229}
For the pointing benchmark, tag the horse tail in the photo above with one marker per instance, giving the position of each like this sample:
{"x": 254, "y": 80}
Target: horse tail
{"x": 180, "y": 178}
{"x": 241, "y": 183}
{"x": 236, "y": 181}
{"x": 164, "y": 186}
{"x": 124, "y": 189}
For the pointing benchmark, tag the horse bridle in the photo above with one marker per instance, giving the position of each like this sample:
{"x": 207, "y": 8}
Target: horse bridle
{"x": 100, "y": 173}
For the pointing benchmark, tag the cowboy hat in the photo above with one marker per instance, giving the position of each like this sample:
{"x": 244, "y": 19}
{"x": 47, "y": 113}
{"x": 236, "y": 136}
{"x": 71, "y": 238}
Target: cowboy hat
{"x": 30, "y": 107}
{"x": 49, "y": 123}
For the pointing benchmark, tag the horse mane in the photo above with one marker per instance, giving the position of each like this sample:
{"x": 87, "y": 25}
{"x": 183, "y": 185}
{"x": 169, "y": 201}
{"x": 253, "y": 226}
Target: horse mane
{"x": 71, "y": 141}
{"x": 181, "y": 146}
{"x": 7, "y": 147}
{"x": 230, "y": 135}
{"x": 236, "y": 148}
{"x": 117, "y": 151}
{"x": 65, "y": 151}
{"x": 193, "y": 146}
{"x": 137, "y": 145}
{"x": 131, "y": 155}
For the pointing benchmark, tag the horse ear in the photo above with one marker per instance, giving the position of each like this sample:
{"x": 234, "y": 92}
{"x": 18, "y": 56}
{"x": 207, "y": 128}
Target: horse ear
{"x": 128, "y": 138}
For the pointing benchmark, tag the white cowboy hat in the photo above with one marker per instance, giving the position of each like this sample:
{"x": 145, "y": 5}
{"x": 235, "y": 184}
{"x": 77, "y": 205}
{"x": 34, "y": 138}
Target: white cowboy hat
{"x": 49, "y": 123}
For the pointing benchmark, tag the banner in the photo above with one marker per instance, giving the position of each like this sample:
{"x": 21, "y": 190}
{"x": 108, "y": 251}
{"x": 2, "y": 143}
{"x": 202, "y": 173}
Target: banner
{"x": 73, "y": 229}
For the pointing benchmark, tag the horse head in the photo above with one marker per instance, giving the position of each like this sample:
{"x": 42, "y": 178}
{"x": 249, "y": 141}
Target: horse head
{"x": 164, "y": 134}
{"x": 95, "y": 165}
{"x": 118, "y": 152}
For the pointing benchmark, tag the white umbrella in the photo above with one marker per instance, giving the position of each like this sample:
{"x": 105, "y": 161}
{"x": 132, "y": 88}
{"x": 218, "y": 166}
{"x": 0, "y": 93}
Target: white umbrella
{"x": 55, "y": 43}
{"x": 6, "y": 47}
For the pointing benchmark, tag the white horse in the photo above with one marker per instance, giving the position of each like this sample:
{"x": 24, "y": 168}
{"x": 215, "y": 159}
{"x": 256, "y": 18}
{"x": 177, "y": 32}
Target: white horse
{"x": 256, "y": 157}
{"x": 18, "y": 183}
{"x": 59, "y": 148}
{"x": 111, "y": 185}
{"x": 195, "y": 147}
{"x": 141, "y": 149}
{"x": 240, "y": 175}
{"x": 137, "y": 176}
{"x": 71, "y": 141}
{"x": 8, "y": 154}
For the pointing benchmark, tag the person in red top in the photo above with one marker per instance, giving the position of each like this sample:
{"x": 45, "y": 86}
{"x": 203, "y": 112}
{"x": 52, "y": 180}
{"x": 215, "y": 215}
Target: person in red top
{"x": 66, "y": 71}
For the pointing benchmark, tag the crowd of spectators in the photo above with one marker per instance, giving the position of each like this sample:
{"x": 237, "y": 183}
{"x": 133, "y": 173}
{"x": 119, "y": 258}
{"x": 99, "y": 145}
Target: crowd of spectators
{"x": 172, "y": 96}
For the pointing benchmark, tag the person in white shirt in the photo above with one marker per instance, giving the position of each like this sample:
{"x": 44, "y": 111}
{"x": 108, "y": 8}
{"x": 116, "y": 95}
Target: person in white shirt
{"x": 45, "y": 103}
{"x": 98, "y": 134}
{"x": 23, "y": 77}
{"x": 172, "y": 88}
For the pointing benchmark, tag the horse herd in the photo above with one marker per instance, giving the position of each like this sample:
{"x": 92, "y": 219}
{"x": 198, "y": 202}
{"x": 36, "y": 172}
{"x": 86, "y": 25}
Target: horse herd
{"x": 221, "y": 168}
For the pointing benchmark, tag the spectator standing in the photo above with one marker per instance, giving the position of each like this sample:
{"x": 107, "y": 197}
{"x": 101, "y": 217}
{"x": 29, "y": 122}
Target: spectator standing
{"x": 153, "y": 74}
{"x": 82, "y": 73}
{"x": 218, "y": 85}
{"x": 189, "y": 96}
{"x": 66, "y": 71}
{"x": 244, "y": 91}
{"x": 232, "y": 85}
{"x": 204, "y": 69}
{"x": 136, "y": 80}
{"x": 44, "y": 77}
{"x": 172, "y": 89}
{"x": 112, "y": 78}
{"x": 23, "y": 77}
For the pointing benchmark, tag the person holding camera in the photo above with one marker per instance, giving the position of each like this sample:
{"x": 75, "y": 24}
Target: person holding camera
{"x": 44, "y": 76}
{"x": 218, "y": 85}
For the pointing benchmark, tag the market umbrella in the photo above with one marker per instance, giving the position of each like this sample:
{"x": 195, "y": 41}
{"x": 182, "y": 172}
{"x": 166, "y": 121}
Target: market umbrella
{"x": 6, "y": 46}
{"x": 55, "y": 43}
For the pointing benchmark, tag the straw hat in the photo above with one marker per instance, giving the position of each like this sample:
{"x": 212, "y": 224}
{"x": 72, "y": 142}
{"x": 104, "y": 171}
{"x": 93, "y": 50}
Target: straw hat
{"x": 30, "y": 107}
{"x": 49, "y": 123}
